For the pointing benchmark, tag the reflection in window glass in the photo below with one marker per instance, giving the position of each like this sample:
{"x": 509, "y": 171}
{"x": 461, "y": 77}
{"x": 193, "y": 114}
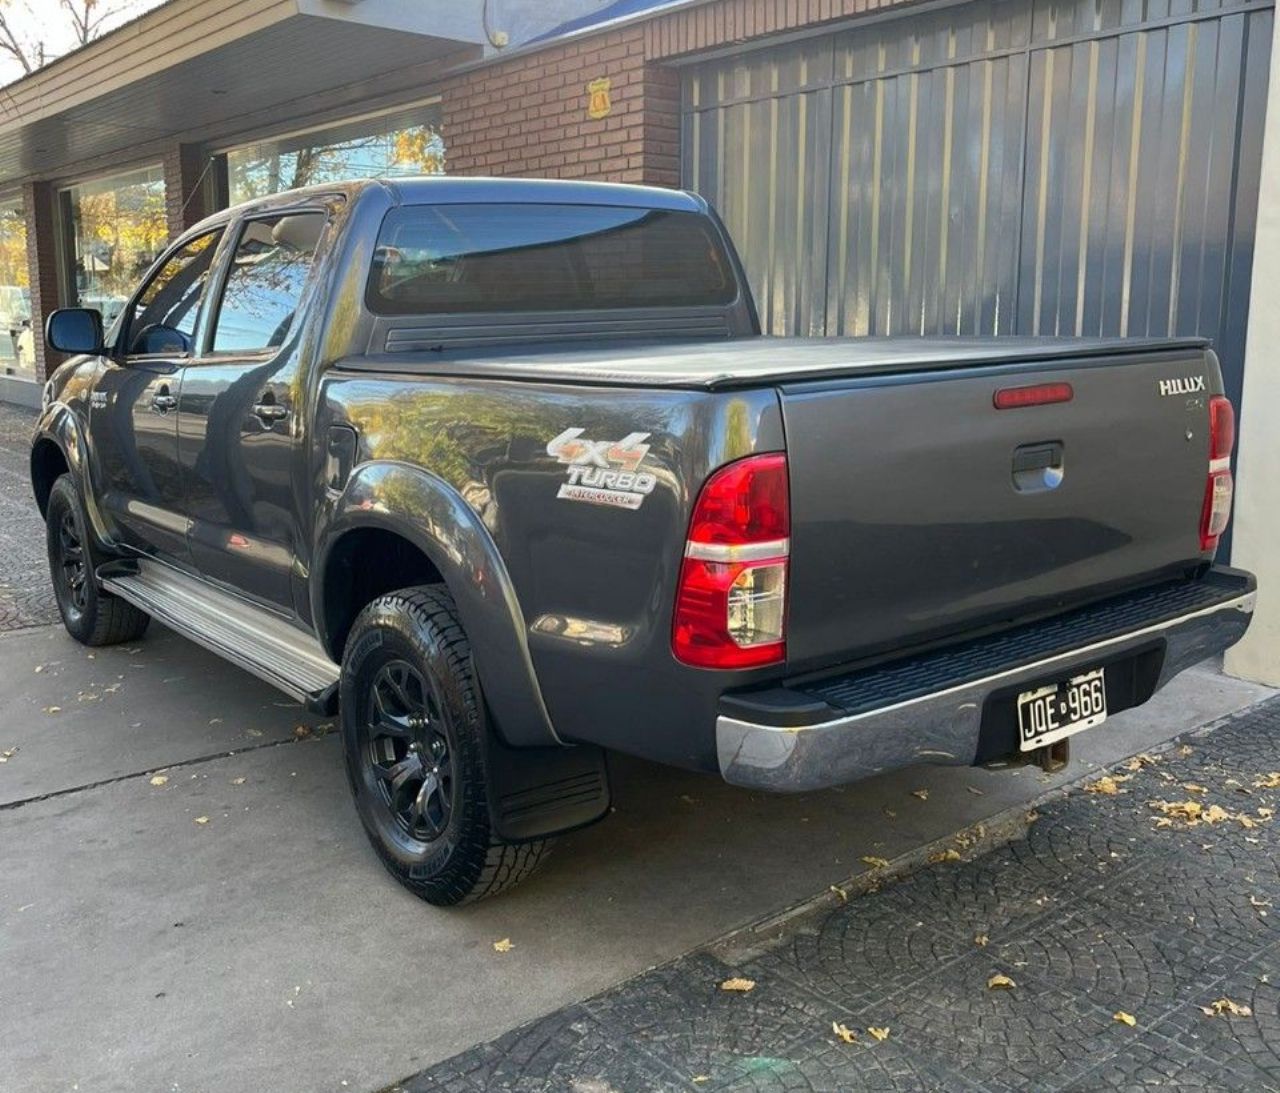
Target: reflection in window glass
{"x": 496, "y": 257}
{"x": 116, "y": 229}
{"x": 265, "y": 282}
{"x": 406, "y": 143}
{"x": 164, "y": 318}
{"x": 17, "y": 344}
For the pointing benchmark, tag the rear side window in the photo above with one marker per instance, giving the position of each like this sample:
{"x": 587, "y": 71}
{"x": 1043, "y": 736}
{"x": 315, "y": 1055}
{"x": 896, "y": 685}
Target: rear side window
{"x": 264, "y": 284}
{"x": 496, "y": 257}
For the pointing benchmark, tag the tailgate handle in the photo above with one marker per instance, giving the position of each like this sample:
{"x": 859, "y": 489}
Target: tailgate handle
{"x": 1038, "y": 467}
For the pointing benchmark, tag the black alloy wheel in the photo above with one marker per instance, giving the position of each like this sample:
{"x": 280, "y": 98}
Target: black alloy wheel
{"x": 409, "y": 753}
{"x": 70, "y": 565}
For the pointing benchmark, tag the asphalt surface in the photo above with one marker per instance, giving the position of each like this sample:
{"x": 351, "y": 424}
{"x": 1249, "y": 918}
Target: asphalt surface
{"x": 1114, "y": 935}
{"x": 265, "y": 948}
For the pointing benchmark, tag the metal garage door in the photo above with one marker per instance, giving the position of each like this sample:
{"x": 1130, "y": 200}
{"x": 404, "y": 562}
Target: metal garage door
{"x": 1006, "y": 166}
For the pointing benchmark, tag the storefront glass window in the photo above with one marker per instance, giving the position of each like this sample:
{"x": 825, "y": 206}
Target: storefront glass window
{"x": 405, "y": 143}
{"x": 17, "y": 349}
{"x": 116, "y": 227}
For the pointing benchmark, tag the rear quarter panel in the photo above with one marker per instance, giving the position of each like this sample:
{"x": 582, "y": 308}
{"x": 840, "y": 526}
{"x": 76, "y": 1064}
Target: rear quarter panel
{"x": 595, "y": 583}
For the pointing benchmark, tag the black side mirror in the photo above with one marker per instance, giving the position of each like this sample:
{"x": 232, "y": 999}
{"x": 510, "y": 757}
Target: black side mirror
{"x": 74, "y": 330}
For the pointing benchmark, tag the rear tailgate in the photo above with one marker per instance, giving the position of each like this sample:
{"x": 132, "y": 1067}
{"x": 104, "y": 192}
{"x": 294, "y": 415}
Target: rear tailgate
{"x": 920, "y": 510}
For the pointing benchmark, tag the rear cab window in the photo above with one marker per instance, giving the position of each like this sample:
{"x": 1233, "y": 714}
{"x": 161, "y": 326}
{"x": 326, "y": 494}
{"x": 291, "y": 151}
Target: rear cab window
{"x": 433, "y": 259}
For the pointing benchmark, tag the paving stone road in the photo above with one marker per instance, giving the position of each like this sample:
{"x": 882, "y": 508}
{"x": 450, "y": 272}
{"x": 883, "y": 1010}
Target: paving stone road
{"x": 1102, "y": 909}
{"x": 26, "y": 597}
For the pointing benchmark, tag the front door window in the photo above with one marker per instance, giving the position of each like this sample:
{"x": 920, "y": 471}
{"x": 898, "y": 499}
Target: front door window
{"x": 163, "y": 317}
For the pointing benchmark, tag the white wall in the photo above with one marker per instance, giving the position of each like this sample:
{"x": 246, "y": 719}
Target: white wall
{"x": 1256, "y": 544}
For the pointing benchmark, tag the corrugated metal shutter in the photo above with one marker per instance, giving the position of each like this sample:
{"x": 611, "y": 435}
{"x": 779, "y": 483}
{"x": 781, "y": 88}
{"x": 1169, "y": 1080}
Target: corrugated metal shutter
{"x": 1005, "y": 166}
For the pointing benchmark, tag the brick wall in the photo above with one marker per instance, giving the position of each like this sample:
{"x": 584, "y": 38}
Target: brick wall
{"x": 184, "y": 192}
{"x": 529, "y": 116}
{"x": 38, "y": 200}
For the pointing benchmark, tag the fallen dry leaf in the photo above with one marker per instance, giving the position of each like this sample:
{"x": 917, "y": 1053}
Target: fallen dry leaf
{"x": 1268, "y": 781}
{"x": 1124, "y": 1018}
{"x": 879, "y": 1033}
{"x": 202, "y": 820}
{"x": 1000, "y": 982}
{"x": 923, "y": 794}
{"x": 7, "y": 754}
{"x": 738, "y": 984}
{"x": 159, "y": 779}
{"x": 698, "y": 1079}
{"x": 503, "y": 946}
{"x": 950, "y": 854}
{"x": 844, "y": 1032}
{"x": 1254, "y": 901}
{"x": 1266, "y": 813}
{"x": 874, "y": 862}
{"x": 1186, "y": 750}
{"x": 976, "y": 791}
{"x": 1142, "y": 760}
{"x": 1191, "y": 787}
{"x": 1189, "y": 812}
{"x": 1108, "y": 785}
{"x": 1225, "y": 1005}
{"x": 840, "y": 893}
{"x": 981, "y": 941}
{"x": 53, "y": 709}
{"x": 238, "y": 781}
{"x": 301, "y": 732}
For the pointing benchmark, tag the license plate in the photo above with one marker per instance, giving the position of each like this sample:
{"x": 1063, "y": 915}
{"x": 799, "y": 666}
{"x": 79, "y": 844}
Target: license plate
{"x": 1061, "y": 709}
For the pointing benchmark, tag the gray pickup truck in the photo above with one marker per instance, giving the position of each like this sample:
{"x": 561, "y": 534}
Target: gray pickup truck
{"x": 504, "y": 472}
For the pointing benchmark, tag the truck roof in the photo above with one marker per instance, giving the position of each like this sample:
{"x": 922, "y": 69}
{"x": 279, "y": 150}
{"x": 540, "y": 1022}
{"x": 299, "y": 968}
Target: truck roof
{"x": 445, "y": 189}
{"x": 450, "y": 190}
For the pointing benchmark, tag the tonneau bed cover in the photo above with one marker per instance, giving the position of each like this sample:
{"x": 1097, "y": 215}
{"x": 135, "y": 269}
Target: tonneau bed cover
{"x": 718, "y": 364}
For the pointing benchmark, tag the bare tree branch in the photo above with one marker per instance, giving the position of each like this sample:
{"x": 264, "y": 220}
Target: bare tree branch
{"x": 27, "y": 30}
{"x": 9, "y": 44}
{"x": 87, "y": 17}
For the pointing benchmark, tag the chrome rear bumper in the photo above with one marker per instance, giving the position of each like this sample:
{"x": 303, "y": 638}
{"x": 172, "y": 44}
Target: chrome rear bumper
{"x": 944, "y": 725}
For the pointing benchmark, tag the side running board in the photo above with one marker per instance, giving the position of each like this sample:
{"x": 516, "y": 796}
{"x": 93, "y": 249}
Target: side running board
{"x": 243, "y": 633}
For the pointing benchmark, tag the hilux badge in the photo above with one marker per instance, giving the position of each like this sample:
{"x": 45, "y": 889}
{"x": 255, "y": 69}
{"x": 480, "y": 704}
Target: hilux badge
{"x": 1184, "y": 385}
{"x": 603, "y": 472}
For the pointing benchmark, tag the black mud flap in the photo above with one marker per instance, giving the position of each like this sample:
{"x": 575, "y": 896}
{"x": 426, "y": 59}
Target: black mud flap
{"x": 538, "y": 792}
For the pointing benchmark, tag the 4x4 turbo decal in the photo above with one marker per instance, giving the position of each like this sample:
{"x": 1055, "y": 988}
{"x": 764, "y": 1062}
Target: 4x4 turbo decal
{"x": 592, "y": 477}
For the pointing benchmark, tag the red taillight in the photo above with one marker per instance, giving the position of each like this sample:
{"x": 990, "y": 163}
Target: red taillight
{"x": 731, "y": 601}
{"x": 1216, "y": 510}
{"x": 1042, "y": 394}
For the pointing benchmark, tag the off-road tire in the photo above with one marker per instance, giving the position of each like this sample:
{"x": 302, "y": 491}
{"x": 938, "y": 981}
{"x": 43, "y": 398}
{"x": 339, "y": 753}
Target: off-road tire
{"x": 92, "y": 615}
{"x": 419, "y": 627}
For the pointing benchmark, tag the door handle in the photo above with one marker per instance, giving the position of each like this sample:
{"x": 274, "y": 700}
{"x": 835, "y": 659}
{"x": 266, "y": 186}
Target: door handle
{"x": 271, "y": 411}
{"x": 162, "y": 402}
